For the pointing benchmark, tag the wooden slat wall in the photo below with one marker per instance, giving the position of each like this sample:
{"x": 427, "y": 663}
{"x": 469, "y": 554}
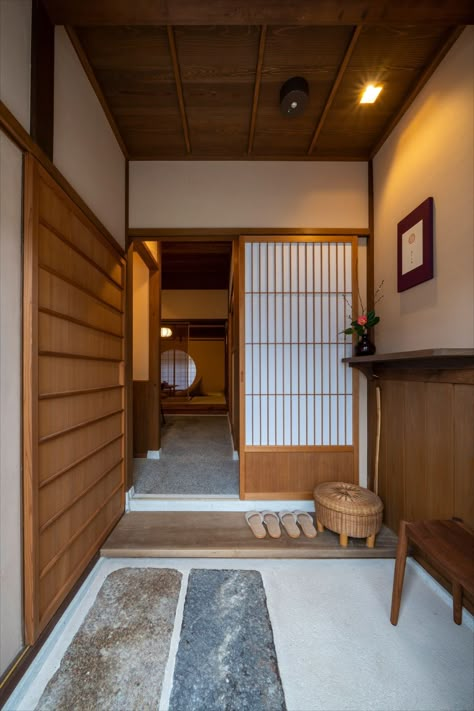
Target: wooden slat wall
{"x": 427, "y": 445}
{"x": 74, "y": 394}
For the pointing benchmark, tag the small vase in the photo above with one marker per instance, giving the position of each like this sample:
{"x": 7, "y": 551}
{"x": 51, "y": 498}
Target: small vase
{"x": 364, "y": 346}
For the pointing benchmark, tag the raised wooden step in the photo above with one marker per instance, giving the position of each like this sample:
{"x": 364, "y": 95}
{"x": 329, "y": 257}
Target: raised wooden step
{"x": 206, "y": 534}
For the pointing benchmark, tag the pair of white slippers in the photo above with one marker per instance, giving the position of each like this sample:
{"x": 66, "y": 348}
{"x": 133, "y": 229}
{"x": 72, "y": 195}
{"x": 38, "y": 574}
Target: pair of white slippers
{"x": 292, "y": 521}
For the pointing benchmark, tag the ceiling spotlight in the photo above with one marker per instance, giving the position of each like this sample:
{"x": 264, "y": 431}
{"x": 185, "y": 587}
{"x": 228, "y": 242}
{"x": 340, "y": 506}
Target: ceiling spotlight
{"x": 371, "y": 92}
{"x": 294, "y": 96}
{"x": 166, "y": 332}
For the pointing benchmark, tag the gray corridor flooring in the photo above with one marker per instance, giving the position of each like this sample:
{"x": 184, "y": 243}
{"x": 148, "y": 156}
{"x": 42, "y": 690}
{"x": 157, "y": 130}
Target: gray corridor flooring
{"x": 196, "y": 459}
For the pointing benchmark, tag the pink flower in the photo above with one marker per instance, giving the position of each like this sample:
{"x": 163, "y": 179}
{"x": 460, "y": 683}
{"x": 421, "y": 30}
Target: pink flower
{"x": 362, "y": 320}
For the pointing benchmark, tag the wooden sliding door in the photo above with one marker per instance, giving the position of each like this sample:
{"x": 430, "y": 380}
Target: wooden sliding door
{"x": 73, "y": 394}
{"x": 298, "y": 414}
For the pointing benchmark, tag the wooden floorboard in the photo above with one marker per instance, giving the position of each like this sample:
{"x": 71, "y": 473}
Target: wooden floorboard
{"x": 171, "y": 534}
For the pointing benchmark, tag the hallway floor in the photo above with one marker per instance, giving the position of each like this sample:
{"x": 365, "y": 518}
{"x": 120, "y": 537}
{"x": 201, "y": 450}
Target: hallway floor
{"x": 333, "y": 641}
{"x": 196, "y": 459}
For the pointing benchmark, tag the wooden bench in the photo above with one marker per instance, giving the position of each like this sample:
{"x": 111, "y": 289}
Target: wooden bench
{"x": 448, "y": 546}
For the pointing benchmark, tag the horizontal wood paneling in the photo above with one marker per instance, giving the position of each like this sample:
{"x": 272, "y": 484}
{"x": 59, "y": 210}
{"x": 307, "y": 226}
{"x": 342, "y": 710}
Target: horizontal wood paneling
{"x": 60, "y": 336}
{"x": 60, "y": 297}
{"x": 61, "y": 452}
{"x": 58, "y": 256}
{"x": 55, "y": 374}
{"x": 64, "y": 218}
{"x": 76, "y": 417}
{"x": 56, "y": 416}
{"x": 294, "y": 475}
{"x": 52, "y": 499}
{"x": 59, "y": 578}
{"x": 56, "y": 536}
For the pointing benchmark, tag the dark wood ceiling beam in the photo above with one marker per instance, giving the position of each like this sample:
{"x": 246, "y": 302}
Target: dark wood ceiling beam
{"x": 335, "y": 87}
{"x": 256, "y": 91}
{"x": 450, "y": 38}
{"x": 179, "y": 87}
{"x": 259, "y": 12}
{"x": 42, "y": 79}
{"x": 86, "y": 65}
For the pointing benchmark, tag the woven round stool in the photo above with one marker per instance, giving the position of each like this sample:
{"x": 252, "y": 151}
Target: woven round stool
{"x": 349, "y": 510}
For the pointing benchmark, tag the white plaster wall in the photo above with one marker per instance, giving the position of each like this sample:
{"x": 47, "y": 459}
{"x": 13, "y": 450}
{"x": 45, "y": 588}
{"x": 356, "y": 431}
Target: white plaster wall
{"x": 194, "y": 303}
{"x": 141, "y": 334}
{"x": 15, "y": 58}
{"x": 85, "y": 148}
{"x": 248, "y": 194}
{"x": 11, "y": 640}
{"x": 430, "y": 153}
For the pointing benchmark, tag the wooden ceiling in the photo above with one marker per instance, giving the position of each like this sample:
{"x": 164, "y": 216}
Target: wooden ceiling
{"x": 195, "y": 265}
{"x": 187, "y": 80}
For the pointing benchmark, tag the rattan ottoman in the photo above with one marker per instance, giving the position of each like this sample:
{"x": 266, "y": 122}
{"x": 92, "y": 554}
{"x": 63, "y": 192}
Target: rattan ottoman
{"x": 349, "y": 510}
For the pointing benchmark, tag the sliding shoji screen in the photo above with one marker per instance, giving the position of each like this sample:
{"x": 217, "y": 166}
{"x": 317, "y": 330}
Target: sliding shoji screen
{"x": 298, "y": 396}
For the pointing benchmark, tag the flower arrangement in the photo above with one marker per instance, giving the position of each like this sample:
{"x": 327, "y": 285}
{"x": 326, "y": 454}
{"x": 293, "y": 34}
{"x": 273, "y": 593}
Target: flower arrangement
{"x": 367, "y": 319}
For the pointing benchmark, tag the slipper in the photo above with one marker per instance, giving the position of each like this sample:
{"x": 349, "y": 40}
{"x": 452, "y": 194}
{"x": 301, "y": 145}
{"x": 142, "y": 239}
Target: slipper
{"x": 255, "y": 521}
{"x": 289, "y": 520}
{"x": 306, "y": 522}
{"x": 272, "y": 522}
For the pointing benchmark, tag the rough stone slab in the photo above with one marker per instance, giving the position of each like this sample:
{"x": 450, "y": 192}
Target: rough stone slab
{"x": 226, "y": 656}
{"x": 117, "y": 659}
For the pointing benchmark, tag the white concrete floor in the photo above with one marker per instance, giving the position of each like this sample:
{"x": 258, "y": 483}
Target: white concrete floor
{"x": 335, "y": 645}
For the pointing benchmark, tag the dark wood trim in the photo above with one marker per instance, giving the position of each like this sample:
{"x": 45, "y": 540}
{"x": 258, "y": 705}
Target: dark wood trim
{"x": 20, "y": 666}
{"x": 86, "y": 65}
{"x": 371, "y": 392}
{"x": 371, "y": 240}
{"x": 85, "y": 391}
{"x": 146, "y": 254}
{"x": 154, "y": 361}
{"x": 256, "y": 90}
{"x": 260, "y": 156}
{"x": 335, "y": 87}
{"x": 179, "y": 87}
{"x": 128, "y": 369}
{"x": 430, "y": 358}
{"x": 450, "y": 38}
{"x": 23, "y": 140}
{"x": 30, "y": 402}
{"x": 42, "y": 78}
{"x": 210, "y": 234}
{"x": 249, "y": 12}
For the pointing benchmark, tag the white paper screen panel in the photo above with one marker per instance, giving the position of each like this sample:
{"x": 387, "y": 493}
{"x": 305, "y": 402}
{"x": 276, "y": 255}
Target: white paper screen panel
{"x": 297, "y": 390}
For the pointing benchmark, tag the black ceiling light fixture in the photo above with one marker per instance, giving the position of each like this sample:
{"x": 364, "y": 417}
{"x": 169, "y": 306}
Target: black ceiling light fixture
{"x": 294, "y": 96}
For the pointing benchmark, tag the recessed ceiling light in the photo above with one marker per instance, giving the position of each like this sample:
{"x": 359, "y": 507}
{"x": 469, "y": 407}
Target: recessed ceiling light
{"x": 370, "y": 94}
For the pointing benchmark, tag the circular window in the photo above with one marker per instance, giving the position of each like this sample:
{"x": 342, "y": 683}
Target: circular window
{"x": 178, "y": 369}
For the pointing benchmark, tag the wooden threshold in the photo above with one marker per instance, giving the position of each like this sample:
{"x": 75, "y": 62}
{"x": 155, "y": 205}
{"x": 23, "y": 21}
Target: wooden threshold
{"x": 216, "y": 534}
